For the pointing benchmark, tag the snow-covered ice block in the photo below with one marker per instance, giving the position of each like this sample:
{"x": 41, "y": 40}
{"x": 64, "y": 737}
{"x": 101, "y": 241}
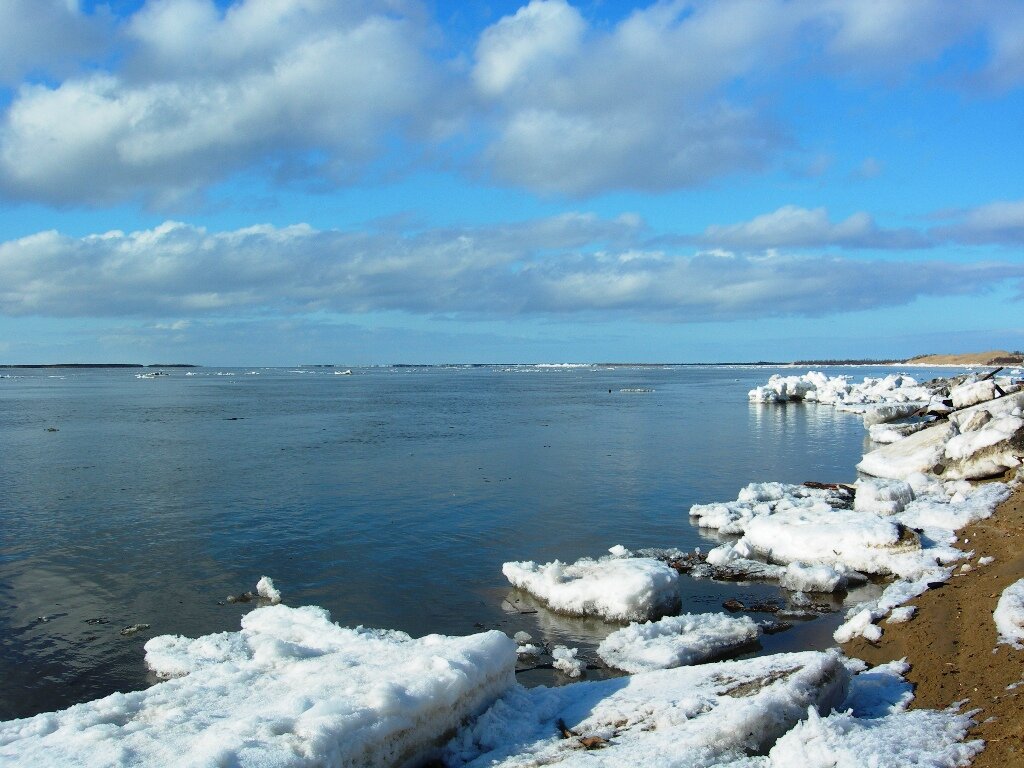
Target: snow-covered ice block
{"x": 1009, "y": 615}
{"x": 916, "y": 453}
{"x": 713, "y": 714}
{"x": 953, "y": 449}
{"x": 676, "y": 641}
{"x": 972, "y": 393}
{"x": 290, "y": 689}
{"x": 890, "y": 433}
{"x": 812, "y": 578}
{"x": 761, "y": 499}
{"x": 882, "y": 497}
{"x": 866, "y": 543}
{"x": 883, "y": 414}
{"x": 616, "y": 588}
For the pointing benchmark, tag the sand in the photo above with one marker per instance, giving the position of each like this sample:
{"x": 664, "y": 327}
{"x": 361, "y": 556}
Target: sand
{"x": 949, "y": 643}
{"x": 992, "y": 357}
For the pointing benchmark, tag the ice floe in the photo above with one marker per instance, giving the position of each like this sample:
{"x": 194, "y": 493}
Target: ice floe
{"x": 291, "y": 688}
{"x": 711, "y": 714}
{"x": 615, "y": 588}
{"x": 1009, "y": 615}
{"x": 676, "y": 641}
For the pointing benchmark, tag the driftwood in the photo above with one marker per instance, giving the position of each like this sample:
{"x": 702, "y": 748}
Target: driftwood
{"x": 830, "y": 486}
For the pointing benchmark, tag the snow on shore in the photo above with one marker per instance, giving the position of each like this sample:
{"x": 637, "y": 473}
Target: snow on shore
{"x": 676, "y": 641}
{"x": 1009, "y": 615}
{"x": 616, "y": 588}
{"x": 290, "y": 689}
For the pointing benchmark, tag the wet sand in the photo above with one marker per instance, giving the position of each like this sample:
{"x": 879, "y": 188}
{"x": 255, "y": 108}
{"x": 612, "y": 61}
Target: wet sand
{"x": 949, "y": 643}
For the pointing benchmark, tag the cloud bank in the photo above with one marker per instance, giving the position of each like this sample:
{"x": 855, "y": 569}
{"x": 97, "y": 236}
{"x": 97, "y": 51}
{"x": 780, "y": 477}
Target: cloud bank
{"x": 571, "y": 265}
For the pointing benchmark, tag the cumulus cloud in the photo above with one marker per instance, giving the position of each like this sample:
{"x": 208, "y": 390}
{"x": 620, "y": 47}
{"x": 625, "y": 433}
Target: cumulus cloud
{"x": 46, "y": 37}
{"x": 208, "y": 93}
{"x": 182, "y": 94}
{"x": 794, "y": 227}
{"x": 185, "y": 272}
{"x": 577, "y": 111}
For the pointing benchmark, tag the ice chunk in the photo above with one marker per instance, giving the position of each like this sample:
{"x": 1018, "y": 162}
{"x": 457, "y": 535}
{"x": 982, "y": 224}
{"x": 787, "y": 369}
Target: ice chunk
{"x": 616, "y": 588}
{"x": 291, "y": 688}
{"x": 949, "y": 450}
{"x": 265, "y": 589}
{"x": 883, "y": 414}
{"x": 812, "y": 578}
{"x": 901, "y": 615}
{"x": 860, "y": 625}
{"x": 890, "y": 433}
{"x": 1009, "y": 615}
{"x": 711, "y": 714}
{"x": 972, "y": 393}
{"x": 865, "y": 543}
{"x": 881, "y": 496}
{"x": 565, "y": 661}
{"x": 676, "y": 641}
{"x": 919, "y": 452}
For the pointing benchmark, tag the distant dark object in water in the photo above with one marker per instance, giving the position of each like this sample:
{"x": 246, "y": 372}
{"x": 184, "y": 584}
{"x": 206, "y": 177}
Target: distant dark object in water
{"x": 245, "y": 597}
{"x": 134, "y": 629}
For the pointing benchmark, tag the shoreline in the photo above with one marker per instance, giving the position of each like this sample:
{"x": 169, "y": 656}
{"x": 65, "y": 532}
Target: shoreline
{"x": 949, "y": 643}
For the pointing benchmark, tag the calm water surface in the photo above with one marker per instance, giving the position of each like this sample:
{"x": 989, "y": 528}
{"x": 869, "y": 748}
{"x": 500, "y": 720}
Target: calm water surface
{"x": 390, "y": 497}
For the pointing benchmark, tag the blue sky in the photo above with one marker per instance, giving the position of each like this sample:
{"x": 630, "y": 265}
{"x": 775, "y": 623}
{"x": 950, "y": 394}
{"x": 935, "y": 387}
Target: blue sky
{"x": 268, "y": 182}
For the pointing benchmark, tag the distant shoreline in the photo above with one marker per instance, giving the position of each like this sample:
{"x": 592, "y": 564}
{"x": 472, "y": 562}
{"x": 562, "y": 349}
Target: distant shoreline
{"x": 102, "y": 365}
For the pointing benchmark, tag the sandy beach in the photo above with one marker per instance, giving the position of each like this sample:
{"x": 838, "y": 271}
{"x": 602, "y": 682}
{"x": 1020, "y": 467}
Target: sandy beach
{"x": 949, "y": 643}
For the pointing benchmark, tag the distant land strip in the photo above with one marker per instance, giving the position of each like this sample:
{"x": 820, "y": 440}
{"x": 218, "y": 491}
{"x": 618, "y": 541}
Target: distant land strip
{"x": 102, "y": 365}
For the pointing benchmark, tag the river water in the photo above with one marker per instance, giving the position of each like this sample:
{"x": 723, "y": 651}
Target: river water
{"x": 390, "y": 497}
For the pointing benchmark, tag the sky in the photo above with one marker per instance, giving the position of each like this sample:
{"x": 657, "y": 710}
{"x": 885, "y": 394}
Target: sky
{"x": 284, "y": 182}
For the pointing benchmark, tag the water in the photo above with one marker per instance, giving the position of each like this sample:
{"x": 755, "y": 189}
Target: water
{"x": 390, "y": 497}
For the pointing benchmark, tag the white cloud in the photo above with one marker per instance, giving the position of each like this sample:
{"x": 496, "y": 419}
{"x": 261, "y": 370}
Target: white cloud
{"x": 536, "y": 37}
{"x": 184, "y": 272}
{"x": 185, "y": 93}
{"x": 794, "y": 227}
{"x": 582, "y": 111}
{"x": 208, "y": 95}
